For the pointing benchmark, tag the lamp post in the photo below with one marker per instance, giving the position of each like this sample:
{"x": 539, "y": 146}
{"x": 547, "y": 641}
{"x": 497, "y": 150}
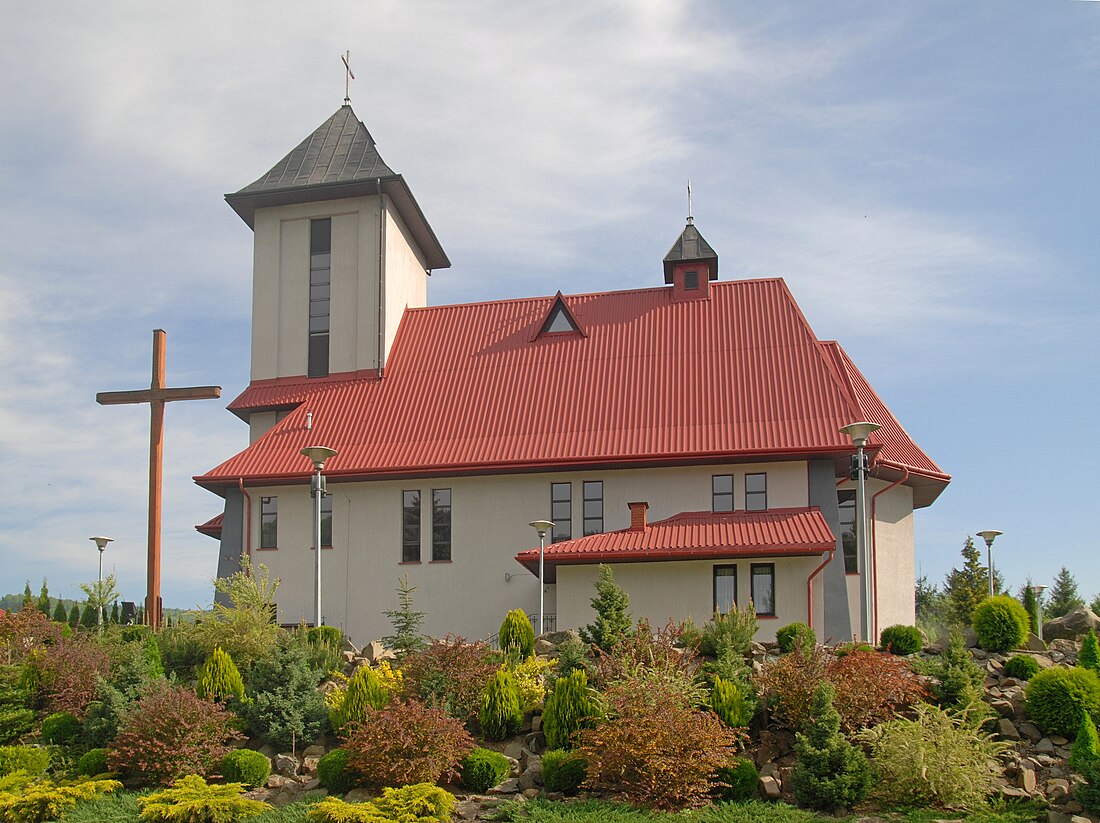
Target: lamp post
{"x": 859, "y": 432}
{"x": 101, "y": 544}
{"x": 542, "y": 527}
{"x": 1038, "y": 590}
{"x": 989, "y": 535}
{"x": 317, "y": 455}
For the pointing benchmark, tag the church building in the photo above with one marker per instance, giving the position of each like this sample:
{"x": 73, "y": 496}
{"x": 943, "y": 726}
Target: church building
{"x": 686, "y": 434}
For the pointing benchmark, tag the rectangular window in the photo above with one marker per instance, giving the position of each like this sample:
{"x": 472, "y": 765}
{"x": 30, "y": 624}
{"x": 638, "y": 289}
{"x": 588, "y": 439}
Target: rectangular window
{"x": 721, "y": 493}
{"x": 410, "y": 526}
{"x": 691, "y": 280}
{"x": 593, "y": 507}
{"x": 441, "y": 524}
{"x": 269, "y": 522}
{"x": 756, "y": 492}
{"x": 326, "y": 521}
{"x": 561, "y": 511}
{"x": 763, "y": 588}
{"x": 846, "y": 502}
{"x": 725, "y": 589}
{"x": 320, "y": 270}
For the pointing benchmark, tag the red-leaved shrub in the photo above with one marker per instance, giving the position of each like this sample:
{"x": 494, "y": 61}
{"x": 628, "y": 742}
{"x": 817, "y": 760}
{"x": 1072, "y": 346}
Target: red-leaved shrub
{"x": 451, "y": 674}
{"x": 650, "y": 656}
{"x": 169, "y": 733}
{"x": 25, "y": 631}
{"x": 788, "y": 684}
{"x": 407, "y": 742}
{"x": 655, "y": 751}
{"x": 67, "y": 673}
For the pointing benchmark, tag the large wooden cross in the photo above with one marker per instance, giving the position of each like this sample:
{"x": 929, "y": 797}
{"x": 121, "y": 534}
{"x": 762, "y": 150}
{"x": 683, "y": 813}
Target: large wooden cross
{"x": 156, "y": 396}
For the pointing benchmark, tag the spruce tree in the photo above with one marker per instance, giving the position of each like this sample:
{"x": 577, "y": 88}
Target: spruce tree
{"x": 1063, "y": 595}
{"x": 60, "y": 615}
{"x": 965, "y": 588}
{"x": 407, "y": 637}
{"x": 830, "y": 772}
{"x": 613, "y": 621}
{"x": 44, "y": 599}
{"x": 28, "y": 596}
{"x": 74, "y": 615}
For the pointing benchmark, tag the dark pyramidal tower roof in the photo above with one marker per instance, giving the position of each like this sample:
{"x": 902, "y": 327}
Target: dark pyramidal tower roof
{"x": 690, "y": 247}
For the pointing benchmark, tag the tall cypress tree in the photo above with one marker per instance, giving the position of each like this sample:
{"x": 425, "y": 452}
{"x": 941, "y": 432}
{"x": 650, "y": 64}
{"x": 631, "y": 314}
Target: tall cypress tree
{"x": 89, "y": 618}
{"x": 74, "y": 615}
{"x": 1031, "y": 606}
{"x": 59, "y": 613}
{"x": 28, "y": 596}
{"x": 44, "y": 599}
{"x": 1063, "y": 594}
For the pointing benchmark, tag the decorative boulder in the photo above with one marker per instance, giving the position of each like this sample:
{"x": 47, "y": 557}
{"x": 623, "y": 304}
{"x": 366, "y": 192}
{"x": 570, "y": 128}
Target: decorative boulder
{"x": 1071, "y": 625}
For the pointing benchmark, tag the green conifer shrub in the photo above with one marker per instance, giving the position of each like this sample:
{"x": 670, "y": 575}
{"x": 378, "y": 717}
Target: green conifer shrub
{"x": 568, "y": 709}
{"x": 901, "y": 640}
{"x": 30, "y": 759}
{"x": 517, "y": 635}
{"x": 60, "y": 615}
{"x": 956, "y": 678}
{"x": 417, "y": 803}
{"x": 1000, "y": 623}
{"x": 830, "y": 772}
{"x": 92, "y": 763}
{"x": 28, "y": 799}
{"x": 1089, "y": 656}
{"x": 1086, "y": 748}
{"x": 15, "y": 722}
{"x": 501, "y": 714}
{"x": 732, "y": 631}
{"x": 151, "y": 653}
{"x": 191, "y": 799}
{"x": 74, "y": 616}
{"x": 1056, "y": 699}
{"x": 1021, "y": 666}
{"x": 365, "y": 692}
{"x": 246, "y": 766}
{"x": 482, "y": 769}
{"x": 283, "y": 706}
{"x": 729, "y": 702}
{"x": 563, "y": 771}
{"x": 334, "y": 774}
{"x": 60, "y": 728}
{"x": 737, "y": 782}
{"x": 795, "y": 634}
{"x": 325, "y": 635}
{"x": 1088, "y": 795}
{"x": 613, "y": 621}
{"x": 219, "y": 678}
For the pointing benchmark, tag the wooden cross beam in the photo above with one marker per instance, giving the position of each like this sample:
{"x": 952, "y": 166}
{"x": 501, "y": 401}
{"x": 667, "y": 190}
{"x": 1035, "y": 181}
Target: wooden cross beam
{"x": 156, "y": 396}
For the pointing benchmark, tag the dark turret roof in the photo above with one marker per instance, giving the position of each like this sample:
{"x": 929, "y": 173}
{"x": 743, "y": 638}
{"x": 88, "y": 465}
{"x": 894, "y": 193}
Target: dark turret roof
{"x": 690, "y": 247}
{"x": 339, "y": 159}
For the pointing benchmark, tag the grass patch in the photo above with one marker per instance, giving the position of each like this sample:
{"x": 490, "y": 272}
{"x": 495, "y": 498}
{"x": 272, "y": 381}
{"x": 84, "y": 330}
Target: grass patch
{"x": 753, "y": 811}
{"x": 540, "y": 810}
{"x": 1000, "y": 811}
{"x": 117, "y": 807}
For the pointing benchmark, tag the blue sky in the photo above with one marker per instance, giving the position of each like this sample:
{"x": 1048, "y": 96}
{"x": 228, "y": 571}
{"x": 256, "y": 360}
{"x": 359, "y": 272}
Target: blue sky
{"x": 924, "y": 176}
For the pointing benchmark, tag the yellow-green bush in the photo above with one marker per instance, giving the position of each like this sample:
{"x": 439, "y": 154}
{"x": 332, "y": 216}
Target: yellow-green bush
{"x": 729, "y": 702}
{"x": 28, "y": 799}
{"x": 418, "y": 803}
{"x": 30, "y": 759}
{"x": 246, "y": 766}
{"x": 192, "y": 799}
{"x": 501, "y": 714}
{"x": 568, "y": 709}
{"x": 219, "y": 678}
{"x": 530, "y": 677}
{"x": 482, "y": 769}
{"x": 1000, "y": 623}
{"x": 517, "y": 635}
{"x": 364, "y": 692}
{"x": 1057, "y": 698}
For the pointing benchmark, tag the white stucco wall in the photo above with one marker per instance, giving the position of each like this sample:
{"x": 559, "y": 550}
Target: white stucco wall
{"x": 406, "y": 276}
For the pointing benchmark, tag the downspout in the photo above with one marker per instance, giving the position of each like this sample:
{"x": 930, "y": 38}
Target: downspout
{"x": 810, "y": 587}
{"x": 247, "y": 521}
{"x": 381, "y": 270}
{"x": 874, "y": 523}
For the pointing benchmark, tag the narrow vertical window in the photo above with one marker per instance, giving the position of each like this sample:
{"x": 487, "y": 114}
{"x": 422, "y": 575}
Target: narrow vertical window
{"x": 846, "y": 503}
{"x": 561, "y": 510}
{"x": 593, "y": 507}
{"x": 721, "y": 493}
{"x": 725, "y": 589}
{"x": 269, "y": 522}
{"x": 326, "y": 521}
{"x": 756, "y": 492}
{"x": 691, "y": 280}
{"x": 320, "y": 267}
{"x": 763, "y": 588}
{"x": 410, "y": 526}
{"x": 441, "y": 524}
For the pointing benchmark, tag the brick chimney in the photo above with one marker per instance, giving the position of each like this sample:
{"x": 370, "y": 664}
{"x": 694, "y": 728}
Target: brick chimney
{"x": 637, "y": 516}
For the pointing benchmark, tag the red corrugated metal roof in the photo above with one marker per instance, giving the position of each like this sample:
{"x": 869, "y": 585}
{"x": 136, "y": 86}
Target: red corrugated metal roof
{"x": 698, "y": 535}
{"x": 472, "y": 388}
{"x": 212, "y": 527}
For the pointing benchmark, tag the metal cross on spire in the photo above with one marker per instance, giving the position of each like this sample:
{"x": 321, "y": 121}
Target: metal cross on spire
{"x": 156, "y": 396}
{"x": 690, "y": 218}
{"x": 348, "y": 76}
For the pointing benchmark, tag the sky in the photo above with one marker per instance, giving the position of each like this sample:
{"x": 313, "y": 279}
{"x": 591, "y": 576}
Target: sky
{"x": 924, "y": 175}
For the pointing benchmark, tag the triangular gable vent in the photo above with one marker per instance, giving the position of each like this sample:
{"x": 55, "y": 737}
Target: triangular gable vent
{"x": 559, "y": 318}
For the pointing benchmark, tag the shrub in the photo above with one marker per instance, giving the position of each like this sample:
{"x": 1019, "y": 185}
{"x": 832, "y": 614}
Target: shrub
{"x": 788, "y": 684}
{"x": 517, "y": 635}
{"x": 563, "y": 771}
{"x": 572, "y": 655}
{"x": 482, "y": 769}
{"x": 135, "y": 634}
{"x": 830, "y": 772}
{"x": 568, "y": 709}
{"x": 181, "y": 651}
{"x": 1086, "y": 748}
{"x": 795, "y": 634}
{"x": 25, "y": 632}
{"x": 59, "y": 728}
{"x": 334, "y": 774}
{"x": 169, "y": 733}
{"x": 1057, "y": 699}
{"x": 737, "y": 783}
{"x": 530, "y": 677}
{"x": 1021, "y": 666}
{"x": 92, "y": 762}
{"x": 27, "y": 799}
{"x": 649, "y": 659}
{"x": 406, "y": 638}
{"x": 1089, "y": 656}
{"x": 14, "y": 723}
{"x": 364, "y": 693}
{"x": 612, "y": 618}
{"x": 936, "y": 759}
{"x": 105, "y": 714}
{"x": 246, "y": 766}
{"x": 1000, "y": 623}
{"x": 150, "y": 652}
{"x": 729, "y": 702}
{"x": 871, "y": 687}
{"x": 901, "y": 640}
{"x": 283, "y": 705}
{"x": 451, "y": 674}
{"x": 501, "y": 715}
{"x": 655, "y": 751}
{"x": 68, "y": 672}
{"x": 733, "y": 630}
{"x": 420, "y": 803}
{"x": 845, "y": 649}
{"x": 325, "y": 636}
{"x": 219, "y": 678}
{"x": 113, "y": 807}
{"x": 956, "y": 678}
{"x": 1088, "y": 795}
{"x": 244, "y": 628}
{"x": 192, "y": 799}
{"x": 30, "y": 759}
{"x": 407, "y": 742}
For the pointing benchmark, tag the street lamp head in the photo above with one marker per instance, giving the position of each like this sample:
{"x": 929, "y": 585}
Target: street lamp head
{"x": 101, "y": 542}
{"x": 318, "y": 455}
{"x": 989, "y": 535}
{"x": 859, "y": 432}
{"x": 1038, "y": 589}
{"x": 541, "y": 526}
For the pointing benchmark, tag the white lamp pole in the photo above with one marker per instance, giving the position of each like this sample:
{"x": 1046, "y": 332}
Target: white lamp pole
{"x": 101, "y": 544}
{"x": 317, "y": 455}
{"x": 989, "y": 535}
{"x": 1038, "y": 590}
{"x": 542, "y": 527}
{"x": 859, "y": 432}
